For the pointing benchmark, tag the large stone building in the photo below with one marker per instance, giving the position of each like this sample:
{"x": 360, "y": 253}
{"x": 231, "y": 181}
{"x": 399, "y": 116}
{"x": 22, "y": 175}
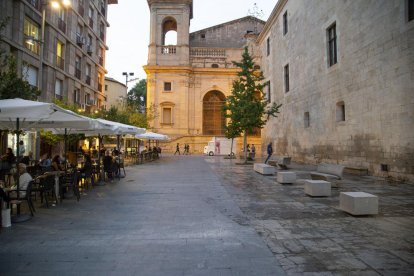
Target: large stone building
{"x": 68, "y": 61}
{"x": 344, "y": 72}
{"x": 187, "y": 82}
{"x": 116, "y": 93}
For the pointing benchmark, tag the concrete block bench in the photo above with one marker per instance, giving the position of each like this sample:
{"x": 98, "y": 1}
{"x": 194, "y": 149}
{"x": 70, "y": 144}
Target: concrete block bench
{"x": 263, "y": 168}
{"x": 317, "y": 188}
{"x": 286, "y": 177}
{"x": 358, "y": 203}
{"x": 328, "y": 172}
{"x": 280, "y": 161}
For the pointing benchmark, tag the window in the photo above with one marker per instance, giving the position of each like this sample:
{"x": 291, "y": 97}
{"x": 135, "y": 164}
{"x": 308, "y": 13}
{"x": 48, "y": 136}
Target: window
{"x": 340, "y": 111}
{"x": 30, "y": 74}
{"x": 106, "y": 87}
{"x": 410, "y": 8}
{"x": 214, "y": 65}
{"x": 268, "y": 46}
{"x": 78, "y": 61}
{"x": 90, "y": 15}
{"x": 100, "y": 81}
{"x": 203, "y": 36}
{"x": 31, "y": 33}
{"x": 101, "y": 56}
{"x": 88, "y": 74}
{"x": 169, "y": 30}
{"x": 268, "y": 92}
{"x": 285, "y": 23}
{"x": 332, "y": 47}
{"x": 60, "y": 61}
{"x": 102, "y": 31}
{"x": 167, "y": 86}
{"x": 58, "y": 89}
{"x": 76, "y": 96}
{"x": 167, "y": 115}
{"x": 286, "y": 74}
{"x": 306, "y": 119}
{"x": 61, "y": 20}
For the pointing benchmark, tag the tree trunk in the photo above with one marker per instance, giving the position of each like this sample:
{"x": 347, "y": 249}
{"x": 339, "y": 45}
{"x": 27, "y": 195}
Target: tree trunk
{"x": 231, "y": 148}
{"x": 245, "y": 146}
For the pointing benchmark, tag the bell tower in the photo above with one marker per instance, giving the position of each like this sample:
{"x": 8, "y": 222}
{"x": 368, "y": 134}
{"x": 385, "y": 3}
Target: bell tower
{"x": 169, "y": 32}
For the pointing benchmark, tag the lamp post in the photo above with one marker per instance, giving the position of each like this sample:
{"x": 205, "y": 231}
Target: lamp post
{"x": 126, "y": 74}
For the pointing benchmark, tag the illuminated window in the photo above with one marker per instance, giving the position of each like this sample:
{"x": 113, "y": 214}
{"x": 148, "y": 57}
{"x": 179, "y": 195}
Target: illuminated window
{"x": 31, "y": 33}
{"x": 60, "y": 61}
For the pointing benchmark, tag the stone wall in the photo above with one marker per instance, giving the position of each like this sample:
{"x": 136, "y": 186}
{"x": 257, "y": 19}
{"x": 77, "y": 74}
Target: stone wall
{"x": 374, "y": 79}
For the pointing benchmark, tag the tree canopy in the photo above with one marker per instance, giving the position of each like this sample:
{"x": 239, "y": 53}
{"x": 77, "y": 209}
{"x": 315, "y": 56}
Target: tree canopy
{"x": 137, "y": 96}
{"x": 247, "y": 108}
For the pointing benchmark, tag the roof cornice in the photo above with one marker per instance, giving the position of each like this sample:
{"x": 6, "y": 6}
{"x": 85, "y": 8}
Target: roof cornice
{"x": 272, "y": 18}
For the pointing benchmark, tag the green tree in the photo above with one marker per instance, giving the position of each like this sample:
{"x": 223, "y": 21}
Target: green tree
{"x": 246, "y": 108}
{"x": 137, "y": 96}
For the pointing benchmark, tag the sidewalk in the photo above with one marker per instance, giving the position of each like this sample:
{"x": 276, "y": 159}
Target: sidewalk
{"x": 311, "y": 235}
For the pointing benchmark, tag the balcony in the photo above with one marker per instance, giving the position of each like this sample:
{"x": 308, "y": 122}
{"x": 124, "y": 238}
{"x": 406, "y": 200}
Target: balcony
{"x": 81, "y": 10}
{"x": 60, "y": 62}
{"x": 101, "y": 61}
{"x": 33, "y": 46}
{"x": 207, "y": 52}
{"x": 88, "y": 80}
{"x": 78, "y": 73}
{"x": 169, "y": 50}
{"x": 91, "y": 22}
{"x": 62, "y": 25}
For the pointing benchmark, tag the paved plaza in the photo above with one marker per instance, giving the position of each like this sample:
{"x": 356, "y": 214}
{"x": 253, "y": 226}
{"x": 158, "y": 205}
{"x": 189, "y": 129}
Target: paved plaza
{"x": 199, "y": 215}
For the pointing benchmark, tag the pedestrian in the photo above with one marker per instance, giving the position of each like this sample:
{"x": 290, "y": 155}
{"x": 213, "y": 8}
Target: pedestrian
{"x": 253, "y": 151}
{"x": 177, "y": 149}
{"x": 188, "y": 148}
{"x": 269, "y": 151}
{"x": 22, "y": 149}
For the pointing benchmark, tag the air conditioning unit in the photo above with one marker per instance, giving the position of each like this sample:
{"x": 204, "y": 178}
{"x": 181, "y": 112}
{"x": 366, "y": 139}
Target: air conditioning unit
{"x": 80, "y": 40}
{"x": 89, "y": 49}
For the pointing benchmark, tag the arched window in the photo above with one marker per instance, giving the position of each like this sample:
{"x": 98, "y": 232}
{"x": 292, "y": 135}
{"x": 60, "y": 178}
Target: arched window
{"x": 213, "y": 119}
{"x": 169, "y": 31}
{"x": 214, "y": 65}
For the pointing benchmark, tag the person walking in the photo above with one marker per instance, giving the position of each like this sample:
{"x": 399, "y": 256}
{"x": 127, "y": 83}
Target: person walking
{"x": 177, "y": 149}
{"x": 253, "y": 151}
{"x": 269, "y": 151}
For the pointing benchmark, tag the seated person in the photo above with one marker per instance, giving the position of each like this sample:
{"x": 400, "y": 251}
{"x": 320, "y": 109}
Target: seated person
{"x": 24, "y": 180}
{"x": 56, "y": 164}
{"x": 107, "y": 163}
{"x": 27, "y": 159}
{"x": 45, "y": 163}
{"x": 8, "y": 158}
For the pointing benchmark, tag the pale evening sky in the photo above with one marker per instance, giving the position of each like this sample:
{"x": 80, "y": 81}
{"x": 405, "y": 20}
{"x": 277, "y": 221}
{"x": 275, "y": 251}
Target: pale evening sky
{"x": 128, "y": 34}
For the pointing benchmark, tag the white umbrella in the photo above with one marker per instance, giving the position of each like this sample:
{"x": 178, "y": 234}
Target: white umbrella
{"x": 122, "y": 129}
{"x": 152, "y": 136}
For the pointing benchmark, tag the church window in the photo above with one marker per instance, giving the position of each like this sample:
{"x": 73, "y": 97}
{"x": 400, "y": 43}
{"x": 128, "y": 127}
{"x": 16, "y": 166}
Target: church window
{"x": 268, "y": 92}
{"x": 410, "y": 8}
{"x": 214, "y": 65}
{"x": 213, "y": 118}
{"x": 306, "y": 119}
{"x": 167, "y": 115}
{"x": 340, "y": 111}
{"x": 332, "y": 45}
{"x": 286, "y": 77}
{"x": 285, "y": 23}
{"x": 167, "y": 86}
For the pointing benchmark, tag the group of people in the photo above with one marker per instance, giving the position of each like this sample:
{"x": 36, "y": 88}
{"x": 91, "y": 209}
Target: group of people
{"x": 186, "y": 149}
{"x": 7, "y": 193}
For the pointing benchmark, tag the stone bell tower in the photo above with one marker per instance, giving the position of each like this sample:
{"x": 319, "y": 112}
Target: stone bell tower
{"x": 169, "y": 16}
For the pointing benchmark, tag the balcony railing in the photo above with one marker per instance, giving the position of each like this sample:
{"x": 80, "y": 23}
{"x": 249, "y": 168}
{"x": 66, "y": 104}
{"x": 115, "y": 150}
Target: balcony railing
{"x": 60, "y": 62}
{"x": 88, "y": 80}
{"x": 169, "y": 50}
{"x": 62, "y": 25}
{"x": 81, "y": 10}
{"x": 78, "y": 73}
{"x": 207, "y": 52}
{"x": 101, "y": 61}
{"x": 33, "y": 46}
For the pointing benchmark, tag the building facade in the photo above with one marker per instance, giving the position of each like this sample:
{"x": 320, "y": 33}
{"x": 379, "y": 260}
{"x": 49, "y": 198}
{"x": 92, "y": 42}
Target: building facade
{"x": 116, "y": 93}
{"x": 62, "y": 51}
{"x": 344, "y": 72}
{"x": 187, "y": 81}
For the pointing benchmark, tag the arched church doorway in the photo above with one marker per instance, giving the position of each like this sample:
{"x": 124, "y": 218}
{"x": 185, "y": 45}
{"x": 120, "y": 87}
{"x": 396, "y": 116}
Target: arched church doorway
{"x": 213, "y": 119}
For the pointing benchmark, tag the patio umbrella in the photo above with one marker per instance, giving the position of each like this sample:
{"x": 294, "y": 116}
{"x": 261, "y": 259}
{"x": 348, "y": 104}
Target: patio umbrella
{"x": 152, "y": 136}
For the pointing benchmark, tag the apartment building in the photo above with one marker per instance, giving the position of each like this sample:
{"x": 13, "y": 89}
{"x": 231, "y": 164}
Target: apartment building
{"x": 60, "y": 47}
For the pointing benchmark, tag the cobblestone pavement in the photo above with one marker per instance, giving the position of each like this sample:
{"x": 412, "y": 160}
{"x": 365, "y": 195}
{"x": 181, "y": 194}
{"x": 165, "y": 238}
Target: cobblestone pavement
{"x": 312, "y": 236}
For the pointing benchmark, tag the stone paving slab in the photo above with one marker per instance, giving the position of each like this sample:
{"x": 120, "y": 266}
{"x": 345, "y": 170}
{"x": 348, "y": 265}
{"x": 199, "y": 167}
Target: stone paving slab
{"x": 311, "y": 236}
{"x": 168, "y": 217}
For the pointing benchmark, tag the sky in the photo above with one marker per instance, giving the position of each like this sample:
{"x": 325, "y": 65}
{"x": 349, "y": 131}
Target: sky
{"x": 128, "y": 34}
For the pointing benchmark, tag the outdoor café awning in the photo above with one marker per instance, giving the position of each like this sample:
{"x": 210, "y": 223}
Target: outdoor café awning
{"x": 152, "y": 136}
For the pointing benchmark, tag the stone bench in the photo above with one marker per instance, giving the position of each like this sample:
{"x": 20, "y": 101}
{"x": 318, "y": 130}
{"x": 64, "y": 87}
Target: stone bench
{"x": 356, "y": 170}
{"x": 317, "y": 188}
{"x": 286, "y": 177}
{"x": 358, "y": 203}
{"x": 328, "y": 172}
{"x": 280, "y": 161}
{"x": 263, "y": 168}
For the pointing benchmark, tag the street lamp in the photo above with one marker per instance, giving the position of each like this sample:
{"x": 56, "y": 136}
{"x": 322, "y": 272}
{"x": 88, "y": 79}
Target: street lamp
{"x": 126, "y": 77}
